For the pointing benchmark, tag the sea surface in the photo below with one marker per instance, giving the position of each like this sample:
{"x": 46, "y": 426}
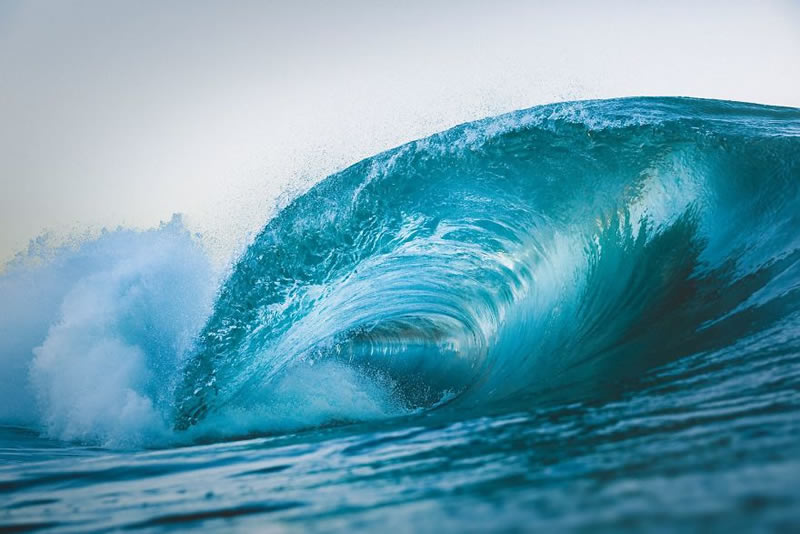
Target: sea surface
{"x": 576, "y": 317}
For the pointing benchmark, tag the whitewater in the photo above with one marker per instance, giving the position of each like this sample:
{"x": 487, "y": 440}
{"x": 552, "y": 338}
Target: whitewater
{"x": 584, "y": 315}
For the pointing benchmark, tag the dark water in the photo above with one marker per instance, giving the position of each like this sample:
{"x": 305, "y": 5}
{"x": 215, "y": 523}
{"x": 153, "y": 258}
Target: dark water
{"x": 581, "y": 316}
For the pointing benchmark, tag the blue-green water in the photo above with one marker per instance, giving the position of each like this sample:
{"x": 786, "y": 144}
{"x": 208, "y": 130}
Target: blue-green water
{"x": 579, "y": 316}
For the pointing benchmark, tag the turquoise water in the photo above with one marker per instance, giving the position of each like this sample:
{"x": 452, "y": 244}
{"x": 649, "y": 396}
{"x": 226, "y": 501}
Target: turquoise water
{"x": 578, "y": 316}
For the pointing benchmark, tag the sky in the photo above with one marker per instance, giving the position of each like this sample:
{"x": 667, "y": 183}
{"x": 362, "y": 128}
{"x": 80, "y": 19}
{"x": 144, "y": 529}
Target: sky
{"x": 123, "y": 113}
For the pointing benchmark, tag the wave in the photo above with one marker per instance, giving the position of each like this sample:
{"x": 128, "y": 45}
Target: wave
{"x": 549, "y": 255}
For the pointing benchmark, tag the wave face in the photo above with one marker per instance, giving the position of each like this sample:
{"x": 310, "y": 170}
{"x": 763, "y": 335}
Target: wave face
{"x": 545, "y": 256}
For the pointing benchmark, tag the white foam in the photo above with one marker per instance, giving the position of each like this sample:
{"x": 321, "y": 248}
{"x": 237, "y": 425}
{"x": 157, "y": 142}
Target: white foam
{"x": 305, "y": 395}
{"x": 94, "y": 334}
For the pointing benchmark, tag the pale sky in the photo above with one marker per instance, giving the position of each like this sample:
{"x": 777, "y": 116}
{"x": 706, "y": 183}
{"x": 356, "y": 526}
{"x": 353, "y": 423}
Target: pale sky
{"x": 126, "y": 112}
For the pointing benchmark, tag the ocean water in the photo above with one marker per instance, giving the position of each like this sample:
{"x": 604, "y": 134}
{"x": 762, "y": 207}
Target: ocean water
{"x": 582, "y": 316}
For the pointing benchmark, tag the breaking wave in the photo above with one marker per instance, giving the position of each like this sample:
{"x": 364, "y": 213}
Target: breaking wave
{"x": 549, "y": 255}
